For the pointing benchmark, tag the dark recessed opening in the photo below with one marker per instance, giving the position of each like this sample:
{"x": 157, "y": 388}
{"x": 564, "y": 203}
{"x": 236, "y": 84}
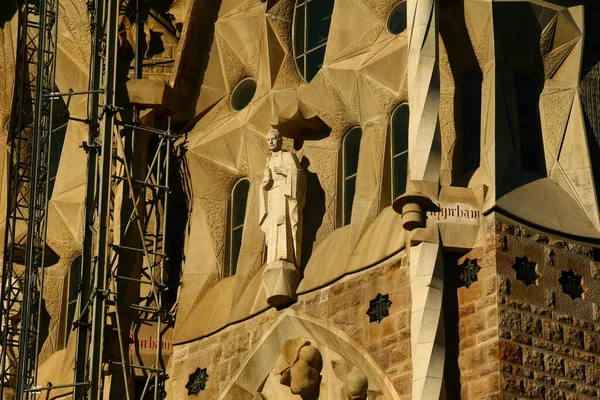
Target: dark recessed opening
{"x": 396, "y": 21}
{"x": 242, "y": 94}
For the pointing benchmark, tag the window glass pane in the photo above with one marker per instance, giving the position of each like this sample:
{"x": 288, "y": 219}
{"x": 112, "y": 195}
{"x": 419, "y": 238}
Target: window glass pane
{"x": 314, "y": 62}
{"x": 242, "y": 94}
{"x": 299, "y": 31}
{"x": 400, "y": 129}
{"x": 312, "y": 20}
{"x": 60, "y": 118}
{"x": 300, "y": 63}
{"x": 399, "y": 174}
{"x": 318, "y": 21}
{"x": 351, "y": 150}
{"x": 71, "y": 308}
{"x": 74, "y": 278}
{"x": 396, "y": 22}
{"x": 240, "y": 198}
{"x": 349, "y": 190}
{"x": 236, "y": 245}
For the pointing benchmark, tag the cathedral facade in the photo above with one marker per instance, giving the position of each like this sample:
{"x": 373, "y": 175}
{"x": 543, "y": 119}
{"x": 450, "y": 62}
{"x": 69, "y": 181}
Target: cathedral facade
{"x": 373, "y": 199}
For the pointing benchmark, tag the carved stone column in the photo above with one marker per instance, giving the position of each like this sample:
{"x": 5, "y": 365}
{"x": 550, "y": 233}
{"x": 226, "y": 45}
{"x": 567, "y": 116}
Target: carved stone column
{"x": 423, "y": 96}
{"x": 427, "y": 324}
{"x": 426, "y": 266}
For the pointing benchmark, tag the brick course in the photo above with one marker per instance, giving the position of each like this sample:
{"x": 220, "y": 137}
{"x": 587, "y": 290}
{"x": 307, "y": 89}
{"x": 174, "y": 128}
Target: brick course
{"x": 549, "y": 342}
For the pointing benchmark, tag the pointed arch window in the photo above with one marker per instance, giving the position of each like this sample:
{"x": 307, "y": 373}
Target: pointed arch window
{"x": 350, "y": 152}
{"x": 237, "y": 212}
{"x": 527, "y": 96}
{"x": 471, "y": 113}
{"x": 73, "y": 292}
{"x": 312, "y": 19}
{"x": 60, "y": 120}
{"x": 399, "y": 146}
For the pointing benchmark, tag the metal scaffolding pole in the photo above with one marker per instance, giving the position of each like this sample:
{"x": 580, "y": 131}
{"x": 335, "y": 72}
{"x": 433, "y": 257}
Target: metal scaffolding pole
{"x": 27, "y": 200}
{"x": 115, "y": 148}
{"x": 82, "y": 321}
{"x": 99, "y": 291}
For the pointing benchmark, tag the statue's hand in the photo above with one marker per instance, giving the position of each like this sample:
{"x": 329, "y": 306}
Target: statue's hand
{"x": 280, "y": 171}
{"x": 267, "y": 181}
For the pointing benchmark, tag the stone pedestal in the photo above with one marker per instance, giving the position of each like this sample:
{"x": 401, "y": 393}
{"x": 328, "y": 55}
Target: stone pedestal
{"x": 280, "y": 280}
{"x": 413, "y": 206}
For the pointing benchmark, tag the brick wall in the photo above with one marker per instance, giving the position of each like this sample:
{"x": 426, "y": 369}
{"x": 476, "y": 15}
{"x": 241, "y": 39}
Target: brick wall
{"x": 549, "y": 342}
{"x": 478, "y": 322}
{"x": 343, "y": 304}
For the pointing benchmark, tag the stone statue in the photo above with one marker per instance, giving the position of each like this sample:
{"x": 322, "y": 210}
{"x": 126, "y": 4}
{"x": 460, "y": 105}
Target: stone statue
{"x": 282, "y": 197}
{"x": 299, "y": 366}
{"x": 355, "y": 382}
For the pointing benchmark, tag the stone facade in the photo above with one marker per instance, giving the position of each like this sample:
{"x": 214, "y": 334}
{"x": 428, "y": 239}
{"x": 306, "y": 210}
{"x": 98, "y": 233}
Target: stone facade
{"x": 449, "y": 158}
{"x": 343, "y": 304}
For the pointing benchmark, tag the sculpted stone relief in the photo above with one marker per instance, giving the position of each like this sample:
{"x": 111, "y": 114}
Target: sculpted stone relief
{"x": 299, "y": 366}
{"x": 282, "y": 196}
{"x": 309, "y": 371}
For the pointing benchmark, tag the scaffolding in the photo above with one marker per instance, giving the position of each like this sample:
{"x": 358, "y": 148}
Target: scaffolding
{"x": 123, "y": 272}
{"x": 27, "y": 198}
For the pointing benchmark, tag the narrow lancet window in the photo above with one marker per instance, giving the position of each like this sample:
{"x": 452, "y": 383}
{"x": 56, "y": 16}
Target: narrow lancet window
{"x": 239, "y": 200}
{"x": 399, "y": 136}
{"x": 74, "y": 278}
{"x": 312, "y": 19}
{"x": 351, "y": 148}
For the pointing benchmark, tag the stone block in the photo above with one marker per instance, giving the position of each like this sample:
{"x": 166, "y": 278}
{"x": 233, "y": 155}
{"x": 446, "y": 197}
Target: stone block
{"x": 510, "y": 319}
{"x": 554, "y": 364}
{"x": 512, "y": 384}
{"x": 592, "y": 342}
{"x": 552, "y": 331}
{"x": 511, "y": 352}
{"x": 534, "y": 390}
{"x": 532, "y": 325}
{"x": 533, "y": 358}
{"x": 573, "y": 337}
{"x": 575, "y": 370}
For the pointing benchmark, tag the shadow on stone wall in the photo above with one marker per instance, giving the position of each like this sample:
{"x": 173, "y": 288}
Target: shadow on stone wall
{"x": 7, "y": 12}
{"x": 450, "y": 310}
{"x": 178, "y": 216}
{"x": 590, "y": 84}
{"x": 464, "y": 65}
{"x": 195, "y": 58}
{"x": 314, "y": 210}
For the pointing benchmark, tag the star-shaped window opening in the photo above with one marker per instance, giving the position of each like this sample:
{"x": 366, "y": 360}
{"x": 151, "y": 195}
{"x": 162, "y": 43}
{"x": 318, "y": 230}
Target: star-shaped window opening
{"x": 467, "y": 273}
{"x": 197, "y": 381}
{"x": 526, "y": 271}
{"x": 571, "y": 284}
{"x": 379, "y": 308}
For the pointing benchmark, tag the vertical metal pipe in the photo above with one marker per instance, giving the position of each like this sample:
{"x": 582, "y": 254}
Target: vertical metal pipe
{"x": 51, "y": 80}
{"x": 10, "y": 290}
{"x": 164, "y": 251}
{"x": 96, "y": 62}
{"x": 26, "y": 352}
{"x": 160, "y": 287}
{"x": 100, "y": 275}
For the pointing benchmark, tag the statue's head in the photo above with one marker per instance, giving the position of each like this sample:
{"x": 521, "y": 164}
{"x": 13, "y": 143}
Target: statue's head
{"x": 274, "y": 140}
